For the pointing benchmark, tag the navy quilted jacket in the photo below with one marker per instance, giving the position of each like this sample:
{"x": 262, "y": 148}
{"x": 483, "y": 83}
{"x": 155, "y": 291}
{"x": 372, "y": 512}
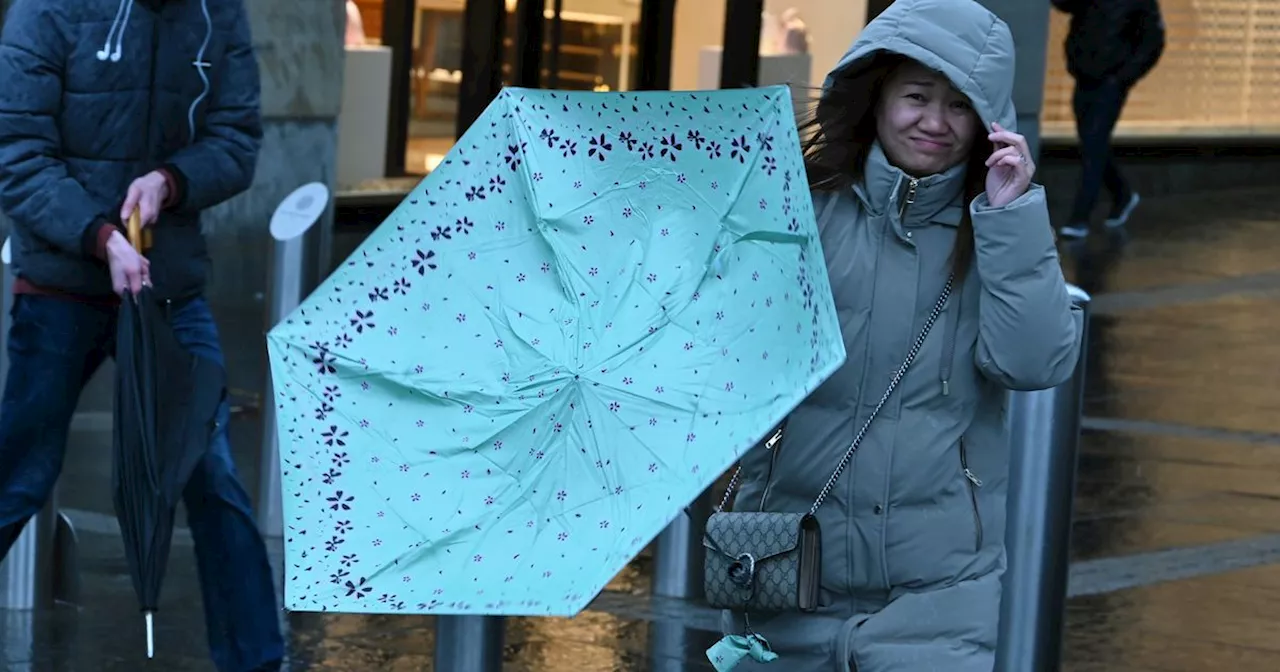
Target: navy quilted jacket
{"x": 99, "y": 92}
{"x": 1113, "y": 39}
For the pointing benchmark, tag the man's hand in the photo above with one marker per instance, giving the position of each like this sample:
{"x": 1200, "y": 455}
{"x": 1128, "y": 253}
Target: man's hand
{"x": 129, "y": 270}
{"x": 147, "y": 193}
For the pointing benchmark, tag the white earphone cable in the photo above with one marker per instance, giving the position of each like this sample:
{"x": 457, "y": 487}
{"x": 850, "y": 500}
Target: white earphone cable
{"x": 128, "y": 9}
{"x": 105, "y": 52}
{"x": 200, "y": 66}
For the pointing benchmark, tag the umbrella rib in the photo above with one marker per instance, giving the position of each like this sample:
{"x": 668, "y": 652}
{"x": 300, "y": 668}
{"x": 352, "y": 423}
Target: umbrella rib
{"x": 523, "y": 170}
{"x": 304, "y": 385}
{"x": 625, "y": 428}
{"x": 492, "y": 317}
{"x": 354, "y": 423}
{"x": 650, "y": 174}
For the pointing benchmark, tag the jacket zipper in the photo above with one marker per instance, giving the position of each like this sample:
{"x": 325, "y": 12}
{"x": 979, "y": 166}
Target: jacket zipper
{"x": 973, "y": 483}
{"x": 909, "y": 199}
{"x": 770, "y": 446}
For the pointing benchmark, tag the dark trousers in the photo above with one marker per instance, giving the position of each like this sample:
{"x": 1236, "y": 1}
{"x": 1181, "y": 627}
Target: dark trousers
{"x": 1097, "y": 107}
{"x": 55, "y": 346}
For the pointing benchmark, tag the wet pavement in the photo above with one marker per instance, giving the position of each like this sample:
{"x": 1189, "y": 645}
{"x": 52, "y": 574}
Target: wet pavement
{"x": 1176, "y": 540}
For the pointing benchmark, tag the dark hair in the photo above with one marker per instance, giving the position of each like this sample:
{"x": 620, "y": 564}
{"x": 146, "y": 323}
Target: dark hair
{"x": 838, "y": 132}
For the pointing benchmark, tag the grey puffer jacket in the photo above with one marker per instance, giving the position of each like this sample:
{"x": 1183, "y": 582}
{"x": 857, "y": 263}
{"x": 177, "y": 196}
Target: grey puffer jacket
{"x": 912, "y": 533}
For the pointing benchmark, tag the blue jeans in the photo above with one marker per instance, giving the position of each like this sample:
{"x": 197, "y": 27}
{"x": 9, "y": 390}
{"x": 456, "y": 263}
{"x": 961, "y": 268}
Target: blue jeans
{"x": 55, "y": 347}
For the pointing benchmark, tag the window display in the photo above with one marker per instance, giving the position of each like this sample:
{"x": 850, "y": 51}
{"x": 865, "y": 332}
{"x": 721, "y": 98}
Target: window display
{"x": 597, "y": 52}
{"x": 1219, "y": 75}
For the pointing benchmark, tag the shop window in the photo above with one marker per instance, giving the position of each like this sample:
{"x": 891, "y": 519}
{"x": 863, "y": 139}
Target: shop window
{"x": 1219, "y": 76}
{"x": 597, "y": 42}
{"x": 597, "y": 51}
{"x": 434, "y": 77}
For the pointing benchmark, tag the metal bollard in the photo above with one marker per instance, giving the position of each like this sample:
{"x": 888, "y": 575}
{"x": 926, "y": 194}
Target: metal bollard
{"x": 40, "y": 566}
{"x": 1044, "y": 431}
{"x": 677, "y": 574}
{"x": 469, "y": 643}
{"x": 28, "y": 571}
{"x": 295, "y": 216}
{"x": 678, "y": 554}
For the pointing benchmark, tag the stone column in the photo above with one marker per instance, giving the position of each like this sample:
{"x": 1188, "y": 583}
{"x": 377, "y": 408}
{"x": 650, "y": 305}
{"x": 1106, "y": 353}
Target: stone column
{"x": 300, "y": 52}
{"x": 1029, "y": 22}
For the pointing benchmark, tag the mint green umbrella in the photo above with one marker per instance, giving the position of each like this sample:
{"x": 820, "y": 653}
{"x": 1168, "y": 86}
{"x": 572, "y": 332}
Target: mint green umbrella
{"x": 564, "y": 334}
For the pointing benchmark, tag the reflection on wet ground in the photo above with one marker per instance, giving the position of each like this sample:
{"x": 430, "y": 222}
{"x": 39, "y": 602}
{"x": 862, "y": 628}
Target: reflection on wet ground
{"x": 1221, "y": 622}
{"x": 1142, "y": 493}
{"x": 1176, "y": 556}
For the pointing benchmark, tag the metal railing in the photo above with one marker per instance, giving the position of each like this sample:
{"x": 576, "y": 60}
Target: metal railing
{"x": 40, "y": 567}
{"x": 1044, "y": 429}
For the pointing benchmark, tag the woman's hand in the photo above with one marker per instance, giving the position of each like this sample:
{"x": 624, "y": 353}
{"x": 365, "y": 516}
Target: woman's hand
{"x": 1009, "y": 167}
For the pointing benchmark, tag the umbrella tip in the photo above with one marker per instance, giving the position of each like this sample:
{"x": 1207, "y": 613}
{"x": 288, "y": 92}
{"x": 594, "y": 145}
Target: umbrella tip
{"x": 151, "y": 634}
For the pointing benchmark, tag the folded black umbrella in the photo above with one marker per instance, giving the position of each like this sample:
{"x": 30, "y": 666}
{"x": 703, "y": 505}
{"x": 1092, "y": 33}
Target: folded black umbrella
{"x": 166, "y": 409}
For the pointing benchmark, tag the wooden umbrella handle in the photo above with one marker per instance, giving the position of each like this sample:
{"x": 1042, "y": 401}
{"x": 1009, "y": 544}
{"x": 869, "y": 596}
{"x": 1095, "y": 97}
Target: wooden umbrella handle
{"x": 135, "y": 230}
{"x": 139, "y": 237}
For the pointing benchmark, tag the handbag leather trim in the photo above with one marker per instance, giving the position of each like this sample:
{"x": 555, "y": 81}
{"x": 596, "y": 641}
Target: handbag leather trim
{"x": 810, "y": 564}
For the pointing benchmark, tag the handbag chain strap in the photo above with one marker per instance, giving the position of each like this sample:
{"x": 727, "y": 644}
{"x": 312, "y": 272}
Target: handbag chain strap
{"x": 862, "y": 433}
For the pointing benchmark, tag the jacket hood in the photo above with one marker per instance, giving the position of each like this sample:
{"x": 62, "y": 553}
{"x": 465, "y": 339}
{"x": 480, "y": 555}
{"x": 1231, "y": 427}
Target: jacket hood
{"x": 963, "y": 40}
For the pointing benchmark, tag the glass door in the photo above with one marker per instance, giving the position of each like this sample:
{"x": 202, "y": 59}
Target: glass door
{"x": 587, "y": 45}
{"x": 582, "y": 45}
{"x": 435, "y": 78}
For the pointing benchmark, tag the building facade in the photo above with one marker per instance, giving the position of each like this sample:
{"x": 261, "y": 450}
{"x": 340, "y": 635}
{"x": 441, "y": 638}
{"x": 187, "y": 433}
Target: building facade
{"x": 1219, "y": 77}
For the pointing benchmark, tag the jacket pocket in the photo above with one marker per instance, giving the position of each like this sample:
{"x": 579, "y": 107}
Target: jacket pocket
{"x": 846, "y": 648}
{"x": 972, "y": 483}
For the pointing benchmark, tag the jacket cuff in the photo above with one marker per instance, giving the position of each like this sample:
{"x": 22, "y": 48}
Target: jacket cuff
{"x": 96, "y": 237}
{"x": 177, "y": 184}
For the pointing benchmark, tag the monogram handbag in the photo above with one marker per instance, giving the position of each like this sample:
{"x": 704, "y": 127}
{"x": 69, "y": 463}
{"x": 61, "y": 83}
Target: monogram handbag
{"x": 772, "y": 562}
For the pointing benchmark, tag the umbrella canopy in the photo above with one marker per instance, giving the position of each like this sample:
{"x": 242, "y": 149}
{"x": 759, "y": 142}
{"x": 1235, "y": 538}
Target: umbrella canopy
{"x": 166, "y": 406}
{"x": 561, "y": 337}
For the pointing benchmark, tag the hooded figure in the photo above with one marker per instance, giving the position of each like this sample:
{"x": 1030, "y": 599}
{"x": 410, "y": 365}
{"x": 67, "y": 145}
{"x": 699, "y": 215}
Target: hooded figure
{"x": 917, "y": 175}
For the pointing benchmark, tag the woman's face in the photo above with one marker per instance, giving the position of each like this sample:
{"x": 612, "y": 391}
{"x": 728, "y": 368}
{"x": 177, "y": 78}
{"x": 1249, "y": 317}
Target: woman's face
{"x": 923, "y": 123}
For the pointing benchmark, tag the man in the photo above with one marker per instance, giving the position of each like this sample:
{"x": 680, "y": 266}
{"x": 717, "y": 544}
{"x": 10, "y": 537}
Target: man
{"x": 1111, "y": 45}
{"x": 109, "y": 106}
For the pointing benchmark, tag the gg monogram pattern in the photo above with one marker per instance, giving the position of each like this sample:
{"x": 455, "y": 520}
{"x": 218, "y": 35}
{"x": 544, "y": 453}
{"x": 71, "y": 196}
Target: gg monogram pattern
{"x": 774, "y": 541}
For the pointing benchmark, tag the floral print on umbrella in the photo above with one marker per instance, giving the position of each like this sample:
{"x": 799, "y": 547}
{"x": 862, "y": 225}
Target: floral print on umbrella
{"x": 590, "y": 310}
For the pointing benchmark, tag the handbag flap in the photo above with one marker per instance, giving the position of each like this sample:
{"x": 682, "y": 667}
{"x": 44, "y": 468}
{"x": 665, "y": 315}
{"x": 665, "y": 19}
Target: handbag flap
{"x": 763, "y": 535}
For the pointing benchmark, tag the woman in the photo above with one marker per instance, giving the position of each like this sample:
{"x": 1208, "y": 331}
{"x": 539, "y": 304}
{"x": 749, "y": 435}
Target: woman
{"x": 917, "y": 177}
